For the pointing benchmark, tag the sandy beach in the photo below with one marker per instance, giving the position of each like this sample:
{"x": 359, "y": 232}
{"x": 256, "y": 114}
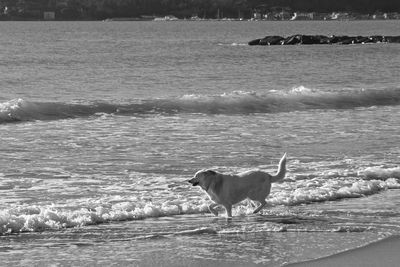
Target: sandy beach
{"x": 383, "y": 253}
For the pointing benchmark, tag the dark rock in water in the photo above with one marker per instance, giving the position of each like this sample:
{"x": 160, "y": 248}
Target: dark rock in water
{"x": 271, "y": 40}
{"x": 314, "y": 39}
{"x": 254, "y": 42}
{"x": 348, "y": 40}
{"x": 377, "y": 39}
{"x": 307, "y": 39}
{"x": 322, "y": 39}
{"x": 392, "y": 39}
{"x": 292, "y": 40}
{"x": 363, "y": 40}
{"x": 338, "y": 39}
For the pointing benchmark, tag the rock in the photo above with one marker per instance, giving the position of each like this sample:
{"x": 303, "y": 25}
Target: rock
{"x": 337, "y": 39}
{"x": 377, "y": 39}
{"x": 254, "y": 42}
{"x": 314, "y": 39}
{"x": 322, "y": 39}
{"x": 348, "y": 40}
{"x": 271, "y": 40}
{"x": 392, "y": 39}
{"x": 362, "y": 40}
{"x": 308, "y": 39}
{"x": 292, "y": 40}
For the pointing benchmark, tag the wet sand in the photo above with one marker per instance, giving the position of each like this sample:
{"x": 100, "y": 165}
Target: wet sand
{"x": 384, "y": 253}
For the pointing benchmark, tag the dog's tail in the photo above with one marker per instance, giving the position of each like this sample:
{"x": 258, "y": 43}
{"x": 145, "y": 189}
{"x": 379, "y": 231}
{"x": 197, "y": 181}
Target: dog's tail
{"x": 281, "y": 170}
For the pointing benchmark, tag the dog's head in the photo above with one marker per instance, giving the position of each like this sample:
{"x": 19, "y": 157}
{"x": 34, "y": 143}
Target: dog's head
{"x": 203, "y": 179}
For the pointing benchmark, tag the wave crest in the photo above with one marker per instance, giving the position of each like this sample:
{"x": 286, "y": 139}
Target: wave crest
{"x": 21, "y": 110}
{"x": 380, "y": 173}
{"x": 40, "y": 218}
{"x": 35, "y": 219}
{"x": 238, "y": 102}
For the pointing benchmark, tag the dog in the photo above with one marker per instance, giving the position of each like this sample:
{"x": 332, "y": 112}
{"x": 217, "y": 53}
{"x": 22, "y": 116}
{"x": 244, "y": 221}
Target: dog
{"x": 227, "y": 190}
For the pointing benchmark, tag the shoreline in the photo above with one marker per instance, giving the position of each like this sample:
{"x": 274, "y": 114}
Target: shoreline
{"x": 384, "y": 252}
{"x": 117, "y": 19}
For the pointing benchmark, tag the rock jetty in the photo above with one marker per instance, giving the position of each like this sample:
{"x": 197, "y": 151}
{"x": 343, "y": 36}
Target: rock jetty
{"x": 300, "y": 39}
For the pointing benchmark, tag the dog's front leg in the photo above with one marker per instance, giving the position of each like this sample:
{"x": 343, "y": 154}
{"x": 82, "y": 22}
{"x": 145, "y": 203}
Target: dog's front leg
{"x": 228, "y": 211}
{"x": 262, "y": 204}
{"x": 211, "y": 208}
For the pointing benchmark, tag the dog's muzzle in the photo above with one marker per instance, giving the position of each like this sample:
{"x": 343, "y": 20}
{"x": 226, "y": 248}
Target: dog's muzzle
{"x": 194, "y": 183}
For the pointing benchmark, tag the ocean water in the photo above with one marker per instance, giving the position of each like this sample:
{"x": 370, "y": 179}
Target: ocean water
{"x": 103, "y": 123}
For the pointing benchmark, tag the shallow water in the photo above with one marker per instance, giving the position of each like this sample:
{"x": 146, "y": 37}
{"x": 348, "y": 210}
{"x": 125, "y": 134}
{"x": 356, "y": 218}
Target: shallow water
{"x": 102, "y": 124}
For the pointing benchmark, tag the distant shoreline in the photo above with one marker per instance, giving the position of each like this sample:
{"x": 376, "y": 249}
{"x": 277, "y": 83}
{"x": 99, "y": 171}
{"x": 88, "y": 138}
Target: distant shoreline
{"x": 194, "y": 20}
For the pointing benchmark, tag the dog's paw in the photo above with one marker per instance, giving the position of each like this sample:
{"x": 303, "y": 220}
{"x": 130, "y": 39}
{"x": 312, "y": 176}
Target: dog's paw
{"x": 214, "y": 212}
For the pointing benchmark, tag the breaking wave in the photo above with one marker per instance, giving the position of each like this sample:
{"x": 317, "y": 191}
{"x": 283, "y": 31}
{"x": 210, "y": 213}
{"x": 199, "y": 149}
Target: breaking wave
{"x": 40, "y": 218}
{"x": 379, "y": 173}
{"x": 319, "y": 190}
{"x": 297, "y": 99}
{"x": 26, "y": 218}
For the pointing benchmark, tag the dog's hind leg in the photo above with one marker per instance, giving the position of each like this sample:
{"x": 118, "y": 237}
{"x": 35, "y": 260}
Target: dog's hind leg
{"x": 262, "y": 204}
{"x": 211, "y": 208}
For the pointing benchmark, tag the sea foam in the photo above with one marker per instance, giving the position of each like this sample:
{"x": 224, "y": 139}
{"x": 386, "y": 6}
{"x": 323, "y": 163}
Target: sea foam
{"x": 380, "y": 173}
{"x": 36, "y": 218}
{"x": 334, "y": 185}
{"x": 309, "y": 187}
{"x": 39, "y": 218}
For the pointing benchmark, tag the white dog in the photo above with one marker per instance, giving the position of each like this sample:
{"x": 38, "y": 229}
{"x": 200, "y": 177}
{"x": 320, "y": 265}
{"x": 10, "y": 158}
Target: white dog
{"x": 227, "y": 190}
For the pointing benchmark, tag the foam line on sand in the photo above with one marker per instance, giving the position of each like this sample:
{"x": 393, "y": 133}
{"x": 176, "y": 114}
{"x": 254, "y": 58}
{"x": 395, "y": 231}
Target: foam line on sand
{"x": 385, "y": 253}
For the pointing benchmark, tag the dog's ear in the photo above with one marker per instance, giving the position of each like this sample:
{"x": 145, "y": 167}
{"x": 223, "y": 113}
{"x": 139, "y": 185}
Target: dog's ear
{"x": 208, "y": 178}
{"x": 210, "y": 172}
{"x": 213, "y": 180}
